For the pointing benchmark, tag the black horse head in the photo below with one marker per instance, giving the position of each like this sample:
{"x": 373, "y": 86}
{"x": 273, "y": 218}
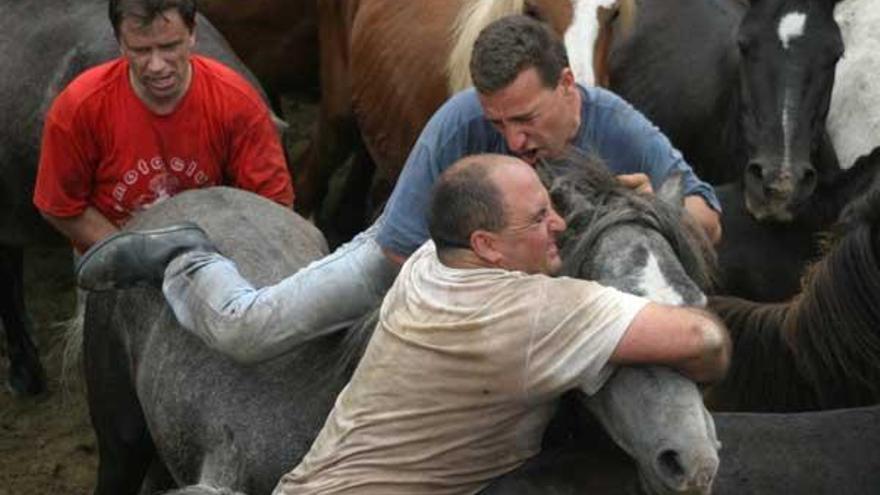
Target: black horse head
{"x": 788, "y": 50}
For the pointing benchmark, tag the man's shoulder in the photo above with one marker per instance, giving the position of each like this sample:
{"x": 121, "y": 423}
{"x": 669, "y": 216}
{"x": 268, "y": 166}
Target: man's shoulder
{"x": 90, "y": 85}
{"x": 601, "y": 102}
{"x": 460, "y": 126}
{"x": 226, "y": 80}
{"x": 459, "y": 111}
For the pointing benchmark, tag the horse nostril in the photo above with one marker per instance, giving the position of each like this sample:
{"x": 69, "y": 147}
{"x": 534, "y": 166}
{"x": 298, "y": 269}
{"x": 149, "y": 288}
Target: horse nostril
{"x": 808, "y": 180}
{"x": 756, "y": 171}
{"x": 669, "y": 464}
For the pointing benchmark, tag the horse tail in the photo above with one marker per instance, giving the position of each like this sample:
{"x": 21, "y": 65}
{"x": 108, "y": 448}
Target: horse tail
{"x": 203, "y": 490}
{"x": 71, "y": 359}
{"x": 472, "y": 18}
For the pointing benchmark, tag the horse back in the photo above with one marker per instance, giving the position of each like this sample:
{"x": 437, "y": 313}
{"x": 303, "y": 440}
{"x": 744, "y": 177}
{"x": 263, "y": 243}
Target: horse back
{"x": 211, "y": 419}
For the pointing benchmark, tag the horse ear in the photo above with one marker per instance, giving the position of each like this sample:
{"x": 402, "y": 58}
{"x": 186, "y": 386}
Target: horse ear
{"x": 672, "y": 190}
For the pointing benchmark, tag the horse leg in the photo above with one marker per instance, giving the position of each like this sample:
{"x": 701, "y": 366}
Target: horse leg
{"x": 347, "y": 211}
{"x": 336, "y": 130}
{"x": 158, "y": 479}
{"x": 26, "y": 374}
{"x": 125, "y": 447}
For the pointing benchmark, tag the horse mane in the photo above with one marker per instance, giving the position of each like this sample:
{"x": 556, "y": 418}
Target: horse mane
{"x": 835, "y": 328}
{"x": 477, "y": 14}
{"x": 472, "y": 18}
{"x": 823, "y": 347}
{"x": 591, "y": 200}
{"x": 759, "y": 351}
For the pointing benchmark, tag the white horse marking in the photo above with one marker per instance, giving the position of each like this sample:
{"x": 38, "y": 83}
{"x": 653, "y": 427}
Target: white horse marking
{"x": 791, "y": 27}
{"x": 854, "y": 117}
{"x": 654, "y": 284}
{"x": 580, "y": 38}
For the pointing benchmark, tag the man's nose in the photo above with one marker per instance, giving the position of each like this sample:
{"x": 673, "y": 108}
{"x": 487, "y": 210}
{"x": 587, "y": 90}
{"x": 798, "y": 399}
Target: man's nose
{"x": 156, "y": 63}
{"x": 516, "y": 138}
{"x": 557, "y": 223}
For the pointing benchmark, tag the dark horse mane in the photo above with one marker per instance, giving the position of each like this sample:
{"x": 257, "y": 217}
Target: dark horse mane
{"x": 821, "y": 350}
{"x": 591, "y": 200}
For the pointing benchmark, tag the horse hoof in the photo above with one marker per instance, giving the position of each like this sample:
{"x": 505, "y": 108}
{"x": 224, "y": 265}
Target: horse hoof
{"x": 27, "y": 377}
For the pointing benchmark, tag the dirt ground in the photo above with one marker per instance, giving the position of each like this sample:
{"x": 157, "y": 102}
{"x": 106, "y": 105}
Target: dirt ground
{"x": 46, "y": 443}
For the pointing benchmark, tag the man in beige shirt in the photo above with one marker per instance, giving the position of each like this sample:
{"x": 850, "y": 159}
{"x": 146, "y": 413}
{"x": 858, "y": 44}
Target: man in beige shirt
{"x": 475, "y": 342}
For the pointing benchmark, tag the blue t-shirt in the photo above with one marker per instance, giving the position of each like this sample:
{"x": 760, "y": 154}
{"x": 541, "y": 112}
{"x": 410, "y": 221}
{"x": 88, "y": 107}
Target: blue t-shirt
{"x": 610, "y": 128}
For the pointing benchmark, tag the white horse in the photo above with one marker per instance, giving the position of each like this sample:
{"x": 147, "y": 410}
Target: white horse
{"x": 854, "y": 116}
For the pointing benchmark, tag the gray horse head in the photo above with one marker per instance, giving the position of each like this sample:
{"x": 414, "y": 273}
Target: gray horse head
{"x": 643, "y": 245}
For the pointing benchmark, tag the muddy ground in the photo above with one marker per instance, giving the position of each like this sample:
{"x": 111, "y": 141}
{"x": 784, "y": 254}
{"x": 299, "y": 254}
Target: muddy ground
{"x": 46, "y": 443}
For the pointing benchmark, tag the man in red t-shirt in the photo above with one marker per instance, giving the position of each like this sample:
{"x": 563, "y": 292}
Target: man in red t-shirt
{"x": 157, "y": 121}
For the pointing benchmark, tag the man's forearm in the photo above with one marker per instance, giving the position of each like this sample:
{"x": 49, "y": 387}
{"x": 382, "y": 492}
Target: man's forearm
{"x": 712, "y": 351}
{"x": 84, "y": 229}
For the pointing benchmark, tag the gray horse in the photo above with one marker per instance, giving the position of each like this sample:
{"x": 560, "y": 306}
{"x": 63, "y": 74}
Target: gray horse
{"x": 155, "y": 392}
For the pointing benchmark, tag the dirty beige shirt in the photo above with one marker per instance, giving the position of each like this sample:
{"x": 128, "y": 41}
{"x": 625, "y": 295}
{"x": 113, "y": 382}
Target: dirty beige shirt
{"x": 460, "y": 379}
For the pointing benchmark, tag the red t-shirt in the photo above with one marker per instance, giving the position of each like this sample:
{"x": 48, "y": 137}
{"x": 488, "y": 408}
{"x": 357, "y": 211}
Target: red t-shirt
{"x": 103, "y": 147}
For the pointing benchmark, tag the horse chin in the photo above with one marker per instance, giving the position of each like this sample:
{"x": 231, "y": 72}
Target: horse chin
{"x": 777, "y": 210}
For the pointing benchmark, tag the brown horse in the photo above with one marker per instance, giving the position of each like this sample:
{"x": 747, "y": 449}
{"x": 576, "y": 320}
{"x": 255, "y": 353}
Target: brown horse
{"x": 388, "y": 65}
{"x": 277, "y": 40}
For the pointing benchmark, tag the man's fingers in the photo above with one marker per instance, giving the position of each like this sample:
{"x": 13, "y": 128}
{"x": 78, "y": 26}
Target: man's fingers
{"x": 639, "y": 182}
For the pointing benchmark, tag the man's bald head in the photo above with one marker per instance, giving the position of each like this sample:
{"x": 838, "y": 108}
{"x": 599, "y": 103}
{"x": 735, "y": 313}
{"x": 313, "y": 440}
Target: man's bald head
{"x": 466, "y": 198}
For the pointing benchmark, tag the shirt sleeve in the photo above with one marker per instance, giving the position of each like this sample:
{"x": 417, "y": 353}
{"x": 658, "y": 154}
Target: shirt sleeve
{"x": 257, "y": 161}
{"x": 576, "y": 327}
{"x": 65, "y": 174}
{"x": 637, "y": 145}
{"x": 455, "y": 130}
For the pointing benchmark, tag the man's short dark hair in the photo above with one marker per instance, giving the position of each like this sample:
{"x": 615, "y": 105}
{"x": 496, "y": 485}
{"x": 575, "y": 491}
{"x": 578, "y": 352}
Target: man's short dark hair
{"x": 511, "y": 45}
{"x": 465, "y": 199}
{"x": 145, "y": 11}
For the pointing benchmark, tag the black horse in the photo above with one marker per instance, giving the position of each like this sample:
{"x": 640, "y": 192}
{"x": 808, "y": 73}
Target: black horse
{"x": 44, "y": 45}
{"x": 821, "y": 350}
{"x": 765, "y": 261}
{"x": 166, "y": 407}
{"x": 820, "y": 453}
{"x": 743, "y": 89}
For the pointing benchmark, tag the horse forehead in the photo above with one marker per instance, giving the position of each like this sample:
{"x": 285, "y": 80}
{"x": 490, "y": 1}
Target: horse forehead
{"x": 641, "y": 261}
{"x": 655, "y": 285}
{"x": 791, "y": 27}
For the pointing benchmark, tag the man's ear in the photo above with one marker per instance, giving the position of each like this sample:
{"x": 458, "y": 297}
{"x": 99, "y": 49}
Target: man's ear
{"x": 566, "y": 79}
{"x": 483, "y": 245}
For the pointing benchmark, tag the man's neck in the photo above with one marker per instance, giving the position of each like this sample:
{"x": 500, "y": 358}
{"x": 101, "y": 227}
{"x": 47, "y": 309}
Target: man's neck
{"x": 461, "y": 259}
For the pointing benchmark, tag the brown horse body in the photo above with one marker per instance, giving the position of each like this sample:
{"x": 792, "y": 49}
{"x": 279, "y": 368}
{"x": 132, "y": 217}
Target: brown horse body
{"x": 277, "y": 40}
{"x": 384, "y": 73}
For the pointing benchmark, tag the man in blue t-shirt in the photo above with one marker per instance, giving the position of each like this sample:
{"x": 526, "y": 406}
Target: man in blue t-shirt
{"x": 526, "y": 103}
